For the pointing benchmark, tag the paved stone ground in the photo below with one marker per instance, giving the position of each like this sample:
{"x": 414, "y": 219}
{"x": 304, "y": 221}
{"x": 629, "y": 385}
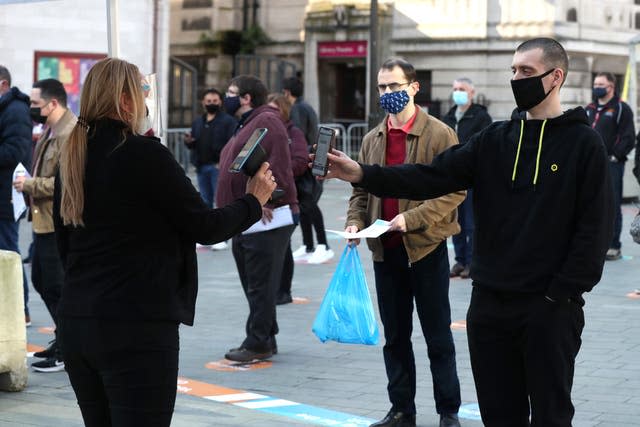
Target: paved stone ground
{"x": 349, "y": 378}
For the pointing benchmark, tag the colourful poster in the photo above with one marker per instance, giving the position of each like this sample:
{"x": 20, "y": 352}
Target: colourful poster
{"x": 70, "y": 68}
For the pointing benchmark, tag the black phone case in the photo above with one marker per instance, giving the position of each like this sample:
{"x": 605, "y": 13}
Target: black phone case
{"x": 254, "y": 161}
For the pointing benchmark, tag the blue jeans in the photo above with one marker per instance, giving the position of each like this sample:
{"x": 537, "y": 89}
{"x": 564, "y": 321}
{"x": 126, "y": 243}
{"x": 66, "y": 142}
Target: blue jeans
{"x": 463, "y": 241}
{"x": 207, "y": 181}
{"x": 9, "y": 242}
{"x": 617, "y": 173}
{"x": 426, "y": 282}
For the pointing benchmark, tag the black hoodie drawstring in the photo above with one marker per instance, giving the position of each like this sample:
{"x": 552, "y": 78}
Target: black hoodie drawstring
{"x": 515, "y": 164}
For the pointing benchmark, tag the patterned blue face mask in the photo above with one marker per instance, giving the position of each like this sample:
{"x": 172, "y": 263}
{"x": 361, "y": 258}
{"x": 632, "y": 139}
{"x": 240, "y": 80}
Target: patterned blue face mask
{"x": 394, "y": 102}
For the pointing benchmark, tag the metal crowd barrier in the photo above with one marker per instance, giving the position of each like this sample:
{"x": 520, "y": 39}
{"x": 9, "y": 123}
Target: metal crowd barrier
{"x": 175, "y": 143}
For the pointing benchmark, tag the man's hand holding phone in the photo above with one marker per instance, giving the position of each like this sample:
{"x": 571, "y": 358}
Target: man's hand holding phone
{"x": 262, "y": 184}
{"x": 340, "y": 166}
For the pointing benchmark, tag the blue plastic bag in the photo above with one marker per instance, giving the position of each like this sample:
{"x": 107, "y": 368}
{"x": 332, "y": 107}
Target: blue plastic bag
{"x": 346, "y": 313}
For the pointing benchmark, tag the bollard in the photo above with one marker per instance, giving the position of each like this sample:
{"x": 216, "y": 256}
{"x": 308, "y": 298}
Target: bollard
{"x": 13, "y": 333}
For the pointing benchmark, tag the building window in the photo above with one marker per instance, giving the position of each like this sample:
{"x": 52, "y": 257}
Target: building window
{"x": 572, "y": 15}
{"x": 198, "y": 24}
{"x": 637, "y": 26}
{"x": 196, "y": 4}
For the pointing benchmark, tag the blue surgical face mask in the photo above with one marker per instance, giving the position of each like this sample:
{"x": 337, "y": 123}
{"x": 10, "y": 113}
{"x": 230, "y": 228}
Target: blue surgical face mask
{"x": 394, "y": 102}
{"x": 460, "y": 97}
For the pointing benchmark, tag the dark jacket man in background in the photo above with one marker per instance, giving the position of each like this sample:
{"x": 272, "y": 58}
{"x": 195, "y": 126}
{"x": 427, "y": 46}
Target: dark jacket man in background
{"x": 613, "y": 120}
{"x": 15, "y": 147}
{"x": 466, "y": 118}
{"x": 209, "y": 134}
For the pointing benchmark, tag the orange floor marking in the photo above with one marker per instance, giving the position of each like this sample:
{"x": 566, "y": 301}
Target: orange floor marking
{"x": 225, "y": 365}
{"x": 200, "y": 389}
{"x": 633, "y": 295}
{"x": 300, "y": 300}
{"x": 49, "y": 330}
{"x": 459, "y": 325}
{"x": 32, "y": 348}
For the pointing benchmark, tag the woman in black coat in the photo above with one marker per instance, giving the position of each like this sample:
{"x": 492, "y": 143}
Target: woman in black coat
{"x": 127, "y": 220}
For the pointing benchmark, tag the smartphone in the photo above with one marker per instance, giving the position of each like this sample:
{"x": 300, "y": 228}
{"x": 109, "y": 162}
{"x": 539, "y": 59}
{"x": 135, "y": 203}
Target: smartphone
{"x": 324, "y": 143}
{"x": 251, "y": 156}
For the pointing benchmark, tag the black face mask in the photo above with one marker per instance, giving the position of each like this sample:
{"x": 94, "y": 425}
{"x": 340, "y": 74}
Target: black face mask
{"x": 212, "y": 108}
{"x": 529, "y": 92}
{"x": 36, "y": 116}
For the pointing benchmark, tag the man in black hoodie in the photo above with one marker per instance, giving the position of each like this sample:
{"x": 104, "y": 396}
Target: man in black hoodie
{"x": 613, "y": 120}
{"x": 15, "y": 147}
{"x": 466, "y": 118}
{"x": 543, "y": 208}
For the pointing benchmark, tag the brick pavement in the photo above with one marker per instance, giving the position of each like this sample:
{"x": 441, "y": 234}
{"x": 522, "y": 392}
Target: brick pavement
{"x": 346, "y": 378}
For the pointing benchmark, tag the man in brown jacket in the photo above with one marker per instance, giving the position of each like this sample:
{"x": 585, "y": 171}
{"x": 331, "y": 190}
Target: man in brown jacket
{"x": 411, "y": 262}
{"x": 48, "y": 106}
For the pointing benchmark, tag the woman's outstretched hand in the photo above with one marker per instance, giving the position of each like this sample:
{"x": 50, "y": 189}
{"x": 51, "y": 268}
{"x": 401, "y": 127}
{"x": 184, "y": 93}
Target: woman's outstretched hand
{"x": 262, "y": 184}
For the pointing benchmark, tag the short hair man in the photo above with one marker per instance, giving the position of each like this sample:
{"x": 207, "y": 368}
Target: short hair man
{"x": 613, "y": 120}
{"x": 411, "y": 263}
{"x": 49, "y": 107}
{"x": 543, "y": 210}
{"x": 15, "y": 147}
{"x": 258, "y": 255}
{"x": 466, "y": 118}
{"x": 209, "y": 134}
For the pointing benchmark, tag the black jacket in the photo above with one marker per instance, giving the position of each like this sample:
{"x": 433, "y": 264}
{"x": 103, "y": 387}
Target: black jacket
{"x": 550, "y": 237}
{"x": 472, "y": 121}
{"x": 135, "y": 257}
{"x": 15, "y": 143}
{"x": 209, "y": 138}
{"x": 615, "y": 126}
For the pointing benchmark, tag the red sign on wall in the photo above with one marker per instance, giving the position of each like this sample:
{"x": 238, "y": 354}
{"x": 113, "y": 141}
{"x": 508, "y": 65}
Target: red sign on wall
{"x": 346, "y": 49}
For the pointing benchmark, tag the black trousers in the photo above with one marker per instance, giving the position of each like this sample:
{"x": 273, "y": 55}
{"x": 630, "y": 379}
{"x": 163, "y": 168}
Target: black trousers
{"x": 124, "y": 373}
{"x": 397, "y": 286}
{"x": 311, "y": 216}
{"x": 47, "y": 274}
{"x": 523, "y": 350}
{"x": 287, "y": 272}
{"x": 259, "y": 259}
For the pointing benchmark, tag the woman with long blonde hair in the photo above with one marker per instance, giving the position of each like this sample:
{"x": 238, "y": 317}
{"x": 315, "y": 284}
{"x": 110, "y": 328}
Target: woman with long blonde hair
{"x": 127, "y": 220}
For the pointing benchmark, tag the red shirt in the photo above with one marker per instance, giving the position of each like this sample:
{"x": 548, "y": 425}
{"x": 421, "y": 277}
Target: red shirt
{"x": 395, "y": 154}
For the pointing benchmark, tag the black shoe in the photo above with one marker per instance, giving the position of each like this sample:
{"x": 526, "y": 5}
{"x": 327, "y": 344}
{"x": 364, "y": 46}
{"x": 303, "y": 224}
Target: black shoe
{"x": 243, "y": 354}
{"x": 47, "y": 352}
{"x": 464, "y": 274}
{"x": 52, "y": 364}
{"x": 274, "y": 345}
{"x": 449, "y": 420}
{"x": 456, "y": 270}
{"x": 282, "y": 299}
{"x": 396, "y": 419}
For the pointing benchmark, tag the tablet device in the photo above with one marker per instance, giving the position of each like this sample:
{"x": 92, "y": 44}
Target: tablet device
{"x": 324, "y": 143}
{"x": 252, "y": 155}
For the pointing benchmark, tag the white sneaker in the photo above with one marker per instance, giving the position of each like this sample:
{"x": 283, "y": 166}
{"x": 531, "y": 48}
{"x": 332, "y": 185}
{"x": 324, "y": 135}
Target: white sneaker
{"x": 198, "y": 246}
{"x": 219, "y": 246}
{"x": 301, "y": 253}
{"x": 320, "y": 255}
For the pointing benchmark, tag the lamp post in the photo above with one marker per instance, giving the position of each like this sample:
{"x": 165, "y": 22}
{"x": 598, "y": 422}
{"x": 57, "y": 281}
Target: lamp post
{"x": 112, "y": 28}
{"x": 373, "y": 64}
{"x": 633, "y": 84}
